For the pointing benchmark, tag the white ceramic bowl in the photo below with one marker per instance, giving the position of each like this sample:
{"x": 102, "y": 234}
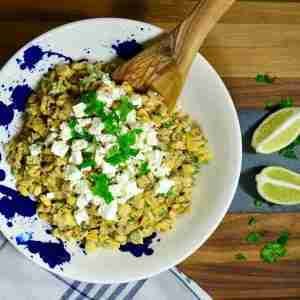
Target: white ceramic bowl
{"x": 204, "y": 96}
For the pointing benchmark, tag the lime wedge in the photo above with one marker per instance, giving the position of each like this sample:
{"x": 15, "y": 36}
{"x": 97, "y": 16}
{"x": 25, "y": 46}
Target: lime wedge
{"x": 279, "y": 185}
{"x": 277, "y": 131}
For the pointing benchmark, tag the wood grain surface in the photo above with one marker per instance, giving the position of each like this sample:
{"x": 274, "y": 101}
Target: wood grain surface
{"x": 253, "y": 37}
{"x": 214, "y": 265}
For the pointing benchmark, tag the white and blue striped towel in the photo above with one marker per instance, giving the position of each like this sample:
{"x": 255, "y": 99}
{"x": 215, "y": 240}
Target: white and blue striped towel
{"x": 20, "y": 279}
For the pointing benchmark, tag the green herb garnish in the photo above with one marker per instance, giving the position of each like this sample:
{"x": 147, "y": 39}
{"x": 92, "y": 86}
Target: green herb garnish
{"x": 290, "y": 150}
{"x": 254, "y": 237}
{"x": 88, "y": 161}
{"x": 252, "y": 221}
{"x": 240, "y": 256}
{"x": 258, "y": 203}
{"x": 272, "y": 251}
{"x": 101, "y": 187}
{"x": 75, "y": 135}
{"x": 124, "y": 108}
{"x": 283, "y": 103}
{"x": 264, "y": 78}
{"x": 144, "y": 169}
{"x": 111, "y": 124}
{"x": 96, "y": 108}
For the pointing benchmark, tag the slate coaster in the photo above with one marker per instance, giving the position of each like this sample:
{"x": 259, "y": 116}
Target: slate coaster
{"x": 253, "y": 163}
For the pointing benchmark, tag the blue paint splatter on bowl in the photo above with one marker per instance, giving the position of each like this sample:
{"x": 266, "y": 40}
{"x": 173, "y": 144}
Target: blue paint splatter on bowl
{"x": 2, "y": 175}
{"x": 34, "y": 54}
{"x": 9, "y": 224}
{"x": 127, "y": 49}
{"x": 53, "y": 254}
{"x": 13, "y": 203}
{"x": 19, "y": 97}
{"x": 6, "y": 114}
{"x": 138, "y": 250}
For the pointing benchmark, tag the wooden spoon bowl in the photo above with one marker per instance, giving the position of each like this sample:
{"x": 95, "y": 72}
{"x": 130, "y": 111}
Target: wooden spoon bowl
{"x": 164, "y": 65}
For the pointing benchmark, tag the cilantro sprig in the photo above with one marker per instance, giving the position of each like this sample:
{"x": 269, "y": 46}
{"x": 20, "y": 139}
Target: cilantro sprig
{"x": 283, "y": 103}
{"x": 144, "y": 168}
{"x": 88, "y": 161}
{"x": 263, "y": 79}
{"x": 101, "y": 187}
{"x": 123, "y": 150}
{"x": 274, "y": 250}
{"x": 75, "y": 135}
{"x": 254, "y": 237}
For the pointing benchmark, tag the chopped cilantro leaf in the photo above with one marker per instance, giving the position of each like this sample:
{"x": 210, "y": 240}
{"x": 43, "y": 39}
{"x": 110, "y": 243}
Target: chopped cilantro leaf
{"x": 72, "y": 123}
{"x": 283, "y": 238}
{"x": 124, "y": 108}
{"x": 111, "y": 124}
{"x": 144, "y": 169}
{"x": 123, "y": 151}
{"x": 264, "y": 78}
{"x": 254, "y": 237}
{"x": 88, "y": 161}
{"x": 258, "y": 203}
{"x": 88, "y": 97}
{"x": 290, "y": 150}
{"x": 252, "y": 221}
{"x": 95, "y": 107}
{"x": 283, "y": 103}
{"x": 272, "y": 251}
{"x": 101, "y": 187}
{"x": 240, "y": 256}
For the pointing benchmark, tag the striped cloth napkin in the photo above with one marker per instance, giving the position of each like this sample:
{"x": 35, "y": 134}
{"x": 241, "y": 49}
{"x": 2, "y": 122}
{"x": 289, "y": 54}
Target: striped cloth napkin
{"x": 20, "y": 279}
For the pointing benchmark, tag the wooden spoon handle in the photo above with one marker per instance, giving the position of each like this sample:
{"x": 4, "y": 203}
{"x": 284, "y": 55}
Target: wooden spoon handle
{"x": 190, "y": 34}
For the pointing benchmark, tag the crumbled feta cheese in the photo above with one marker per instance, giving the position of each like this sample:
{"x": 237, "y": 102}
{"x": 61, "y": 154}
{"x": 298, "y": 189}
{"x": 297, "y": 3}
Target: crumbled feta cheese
{"x": 81, "y": 216}
{"x": 79, "y": 110}
{"x": 131, "y": 190}
{"x": 59, "y": 148}
{"x": 97, "y": 200}
{"x": 81, "y": 187}
{"x": 84, "y": 199}
{"x": 108, "y": 94}
{"x": 107, "y": 139}
{"x": 162, "y": 171}
{"x": 96, "y": 127}
{"x": 124, "y": 129}
{"x": 35, "y": 149}
{"x": 109, "y": 169}
{"x": 50, "y": 138}
{"x": 131, "y": 117}
{"x": 109, "y": 211}
{"x": 136, "y": 100}
{"x": 76, "y": 158}
{"x": 50, "y": 196}
{"x": 79, "y": 145}
{"x": 65, "y": 133}
{"x": 164, "y": 185}
{"x": 84, "y": 122}
{"x": 152, "y": 137}
{"x": 72, "y": 173}
{"x": 99, "y": 157}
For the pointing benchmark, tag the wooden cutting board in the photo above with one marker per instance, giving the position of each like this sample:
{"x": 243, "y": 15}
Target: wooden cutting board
{"x": 254, "y": 36}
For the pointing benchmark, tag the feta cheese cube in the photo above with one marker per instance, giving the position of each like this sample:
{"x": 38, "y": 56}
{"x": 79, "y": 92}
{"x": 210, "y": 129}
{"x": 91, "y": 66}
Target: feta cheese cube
{"x": 79, "y": 110}
{"x": 97, "y": 200}
{"x": 59, "y": 148}
{"x": 84, "y": 122}
{"x": 81, "y": 216}
{"x": 72, "y": 173}
{"x": 109, "y": 211}
{"x": 65, "y": 133}
{"x": 79, "y": 145}
{"x": 152, "y": 138}
{"x": 99, "y": 157}
{"x": 96, "y": 127}
{"x": 131, "y": 117}
{"x": 164, "y": 186}
{"x": 35, "y": 149}
{"x": 109, "y": 169}
{"x": 84, "y": 199}
{"x": 76, "y": 158}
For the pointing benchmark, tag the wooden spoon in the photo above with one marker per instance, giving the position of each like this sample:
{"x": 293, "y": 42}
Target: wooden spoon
{"x": 164, "y": 65}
